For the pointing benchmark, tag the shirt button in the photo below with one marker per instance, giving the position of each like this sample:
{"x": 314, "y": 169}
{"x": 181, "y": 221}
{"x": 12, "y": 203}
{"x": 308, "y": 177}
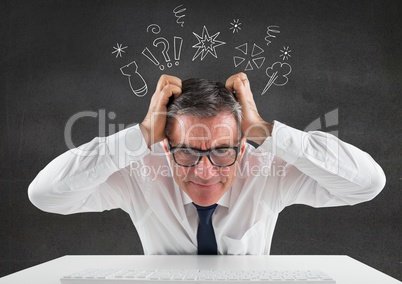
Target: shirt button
{"x": 280, "y": 152}
{"x": 92, "y": 173}
{"x": 287, "y": 142}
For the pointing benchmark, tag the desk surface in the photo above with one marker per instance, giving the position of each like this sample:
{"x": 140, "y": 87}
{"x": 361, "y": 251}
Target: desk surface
{"x": 343, "y": 269}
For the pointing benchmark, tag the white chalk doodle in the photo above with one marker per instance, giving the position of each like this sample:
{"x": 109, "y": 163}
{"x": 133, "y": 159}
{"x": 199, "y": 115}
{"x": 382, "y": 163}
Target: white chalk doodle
{"x": 178, "y": 13}
{"x": 235, "y": 26}
{"x": 243, "y": 48}
{"x": 271, "y": 31}
{"x": 285, "y": 53}
{"x": 256, "y": 50}
{"x": 206, "y": 44}
{"x": 135, "y": 80}
{"x": 119, "y": 49}
{"x": 277, "y": 74}
{"x": 155, "y": 29}
{"x": 238, "y": 60}
{"x": 249, "y": 67}
{"x": 164, "y": 42}
{"x": 148, "y": 54}
{"x": 258, "y": 62}
{"x": 177, "y": 44}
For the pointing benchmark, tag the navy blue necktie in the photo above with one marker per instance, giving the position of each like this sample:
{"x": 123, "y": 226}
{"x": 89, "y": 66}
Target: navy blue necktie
{"x": 205, "y": 234}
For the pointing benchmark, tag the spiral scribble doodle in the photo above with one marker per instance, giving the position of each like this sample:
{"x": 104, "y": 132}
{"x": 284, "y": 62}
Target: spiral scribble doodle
{"x": 155, "y": 29}
{"x": 178, "y": 12}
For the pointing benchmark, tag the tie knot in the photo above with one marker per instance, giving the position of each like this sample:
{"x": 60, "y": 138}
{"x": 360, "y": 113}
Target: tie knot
{"x": 205, "y": 213}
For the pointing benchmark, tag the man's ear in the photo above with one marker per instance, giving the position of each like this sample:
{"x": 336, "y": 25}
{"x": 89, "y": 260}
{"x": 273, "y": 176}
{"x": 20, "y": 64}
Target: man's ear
{"x": 165, "y": 146}
{"x": 242, "y": 147}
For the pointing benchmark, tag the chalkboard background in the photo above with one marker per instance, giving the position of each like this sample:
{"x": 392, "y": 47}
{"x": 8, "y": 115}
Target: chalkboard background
{"x": 61, "y": 58}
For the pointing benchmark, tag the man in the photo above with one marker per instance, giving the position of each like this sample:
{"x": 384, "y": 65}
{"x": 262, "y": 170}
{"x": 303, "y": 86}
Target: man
{"x": 190, "y": 155}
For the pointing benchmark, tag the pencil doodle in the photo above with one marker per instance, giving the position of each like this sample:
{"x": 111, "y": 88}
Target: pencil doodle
{"x": 277, "y": 73}
{"x": 235, "y": 26}
{"x": 178, "y": 12}
{"x": 135, "y": 80}
{"x": 155, "y": 29}
{"x": 285, "y": 53}
{"x": 258, "y": 62}
{"x": 271, "y": 31}
{"x": 119, "y": 49}
{"x": 206, "y": 44}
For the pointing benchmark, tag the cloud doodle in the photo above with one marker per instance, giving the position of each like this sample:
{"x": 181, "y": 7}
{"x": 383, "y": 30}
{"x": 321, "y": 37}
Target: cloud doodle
{"x": 277, "y": 73}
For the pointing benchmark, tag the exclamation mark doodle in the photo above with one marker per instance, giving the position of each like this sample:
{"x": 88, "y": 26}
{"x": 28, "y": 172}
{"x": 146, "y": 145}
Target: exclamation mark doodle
{"x": 178, "y": 42}
{"x": 148, "y": 54}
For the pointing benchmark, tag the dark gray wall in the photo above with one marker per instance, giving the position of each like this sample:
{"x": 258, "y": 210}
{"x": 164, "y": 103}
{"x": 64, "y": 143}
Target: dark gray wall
{"x": 57, "y": 60}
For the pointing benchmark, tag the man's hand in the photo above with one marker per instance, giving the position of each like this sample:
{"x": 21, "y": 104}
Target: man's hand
{"x": 253, "y": 126}
{"x": 153, "y": 125}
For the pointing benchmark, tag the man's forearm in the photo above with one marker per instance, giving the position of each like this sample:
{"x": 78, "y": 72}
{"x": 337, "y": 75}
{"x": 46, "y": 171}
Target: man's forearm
{"x": 67, "y": 181}
{"x": 347, "y": 173}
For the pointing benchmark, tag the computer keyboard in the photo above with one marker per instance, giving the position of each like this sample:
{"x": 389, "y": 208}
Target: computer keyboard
{"x": 153, "y": 276}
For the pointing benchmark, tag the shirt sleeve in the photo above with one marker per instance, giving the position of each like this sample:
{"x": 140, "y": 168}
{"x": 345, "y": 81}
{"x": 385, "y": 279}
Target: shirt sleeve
{"x": 320, "y": 170}
{"x": 87, "y": 178}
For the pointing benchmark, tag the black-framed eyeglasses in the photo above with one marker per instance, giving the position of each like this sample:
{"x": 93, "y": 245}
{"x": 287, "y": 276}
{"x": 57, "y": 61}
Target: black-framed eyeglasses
{"x": 190, "y": 157}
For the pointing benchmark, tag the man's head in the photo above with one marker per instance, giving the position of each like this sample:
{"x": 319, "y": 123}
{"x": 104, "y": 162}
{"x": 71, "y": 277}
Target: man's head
{"x": 206, "y": 116}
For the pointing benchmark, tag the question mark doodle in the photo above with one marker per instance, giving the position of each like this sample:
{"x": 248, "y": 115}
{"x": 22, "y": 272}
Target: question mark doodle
{"x": 165, "y": 43}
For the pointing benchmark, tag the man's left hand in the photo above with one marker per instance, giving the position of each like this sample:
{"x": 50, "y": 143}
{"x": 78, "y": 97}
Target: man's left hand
{"x": 253, "y": 126}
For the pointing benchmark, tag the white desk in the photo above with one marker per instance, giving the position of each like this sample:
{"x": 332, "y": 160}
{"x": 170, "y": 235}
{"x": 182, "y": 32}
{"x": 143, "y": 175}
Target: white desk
{"x": 343, "y": 269}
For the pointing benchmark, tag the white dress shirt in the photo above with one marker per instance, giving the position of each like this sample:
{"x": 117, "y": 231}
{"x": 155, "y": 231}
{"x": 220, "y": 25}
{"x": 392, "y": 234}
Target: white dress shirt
{"x": 290, "y": 167}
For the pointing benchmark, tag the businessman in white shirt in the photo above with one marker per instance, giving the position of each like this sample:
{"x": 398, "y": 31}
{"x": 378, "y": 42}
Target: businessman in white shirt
{"x": 191, "y": 153}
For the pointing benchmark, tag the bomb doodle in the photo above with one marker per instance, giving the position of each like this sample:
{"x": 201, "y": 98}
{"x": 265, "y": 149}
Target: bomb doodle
{"x": 165, "y": 52}
{"x": 135, "y": 80}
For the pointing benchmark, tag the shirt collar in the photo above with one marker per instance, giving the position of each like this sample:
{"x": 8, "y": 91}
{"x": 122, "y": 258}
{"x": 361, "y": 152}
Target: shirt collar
{"x": 224, "y": 201}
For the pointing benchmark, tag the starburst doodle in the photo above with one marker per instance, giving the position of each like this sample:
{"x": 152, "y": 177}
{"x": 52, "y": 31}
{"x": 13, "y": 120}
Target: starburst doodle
{"x": 285, "y": 53}
{"x": 235, "y": 26}
{"x": 206, "y": 44}
{"x": 118, "y": 49}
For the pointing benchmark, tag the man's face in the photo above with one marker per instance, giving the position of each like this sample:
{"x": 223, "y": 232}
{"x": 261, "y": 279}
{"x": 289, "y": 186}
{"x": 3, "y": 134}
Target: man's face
{"x": 204, "y": 183}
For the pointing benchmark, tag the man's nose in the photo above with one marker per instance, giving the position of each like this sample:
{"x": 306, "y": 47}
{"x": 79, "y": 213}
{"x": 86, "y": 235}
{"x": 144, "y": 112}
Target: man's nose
{"x": 204, "y": 169}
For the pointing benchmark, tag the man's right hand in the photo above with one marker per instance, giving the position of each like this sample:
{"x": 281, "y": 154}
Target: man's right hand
{"x": 153, "y": 125}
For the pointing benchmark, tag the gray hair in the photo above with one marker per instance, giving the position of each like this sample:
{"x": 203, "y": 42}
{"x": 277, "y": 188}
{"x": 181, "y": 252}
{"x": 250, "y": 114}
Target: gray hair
{"x": 203, "y": 98}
